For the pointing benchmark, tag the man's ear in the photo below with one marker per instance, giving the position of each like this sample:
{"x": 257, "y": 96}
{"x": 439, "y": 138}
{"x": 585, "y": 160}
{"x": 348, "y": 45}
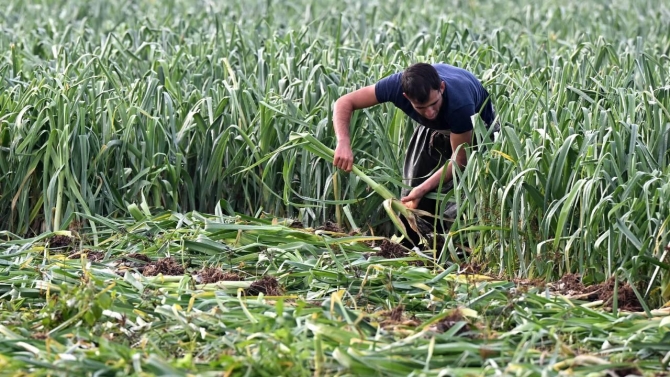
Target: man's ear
{"x": 443, "y": 85}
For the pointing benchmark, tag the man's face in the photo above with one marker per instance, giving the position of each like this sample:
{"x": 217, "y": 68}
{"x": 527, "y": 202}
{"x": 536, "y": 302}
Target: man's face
{"x": 430, "y": 108}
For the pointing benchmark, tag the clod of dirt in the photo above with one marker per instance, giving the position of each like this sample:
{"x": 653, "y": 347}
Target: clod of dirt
{"x": 296, "y": 224}
{"x": 135, "y": 260}
{"x": 623, "y": 372}
{"x": 391, "y": 250}
{"x": 267, "y": 285}
{"x": 212, "y": 275}
{"x": 165, "y": 266}
{"x": 396, "y": 313}
{"x": 395, "y": 317}
{"x": 450, "y": 321}
{"x": 330, "y": 226}
{"x": 626, "y": 298}
{"x": 93, "y": 256}
{"x": 570, "y": 284}
{"x": 57, "y": 242}
{"x": 603, "y": 291}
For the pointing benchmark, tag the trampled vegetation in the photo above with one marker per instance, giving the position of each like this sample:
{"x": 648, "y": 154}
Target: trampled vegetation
{"x": 160, "y": 215}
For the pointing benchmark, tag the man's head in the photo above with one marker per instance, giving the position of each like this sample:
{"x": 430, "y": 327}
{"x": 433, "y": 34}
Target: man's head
{"x": 422, "y": 86}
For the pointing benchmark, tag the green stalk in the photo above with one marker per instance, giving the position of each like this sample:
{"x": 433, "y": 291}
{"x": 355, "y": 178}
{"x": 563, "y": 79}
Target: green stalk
{"x": 336, "y": 194}
{"x": 391, "y": 203}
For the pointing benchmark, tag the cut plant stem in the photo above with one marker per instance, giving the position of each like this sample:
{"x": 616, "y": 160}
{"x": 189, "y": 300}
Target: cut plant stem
{"x": 391, "y": 204}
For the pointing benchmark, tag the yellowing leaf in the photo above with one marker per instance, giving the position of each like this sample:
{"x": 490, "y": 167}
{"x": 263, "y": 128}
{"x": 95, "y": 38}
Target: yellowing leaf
{"x": 422, "y": 286}
{"x": 467, "y": 312}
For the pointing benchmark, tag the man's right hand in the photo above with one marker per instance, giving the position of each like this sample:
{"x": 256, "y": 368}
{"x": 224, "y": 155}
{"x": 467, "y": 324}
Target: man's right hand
{"x": 344, "y": 106}
{"x": 344, "y": 158}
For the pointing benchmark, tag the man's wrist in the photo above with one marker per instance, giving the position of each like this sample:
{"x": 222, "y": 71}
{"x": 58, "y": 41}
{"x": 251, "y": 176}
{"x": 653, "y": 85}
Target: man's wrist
{"x": 343, "y": 139}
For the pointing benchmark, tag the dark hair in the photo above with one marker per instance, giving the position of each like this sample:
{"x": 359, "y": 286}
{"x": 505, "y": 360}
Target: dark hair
{"x": 418, "y": 80}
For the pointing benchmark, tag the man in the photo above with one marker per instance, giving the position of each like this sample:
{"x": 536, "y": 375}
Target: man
{"x": 442, "y": 99}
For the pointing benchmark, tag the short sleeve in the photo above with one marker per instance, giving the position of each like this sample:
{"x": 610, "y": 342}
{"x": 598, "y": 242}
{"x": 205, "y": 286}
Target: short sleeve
{"x": 389, "y": 88}
{"x": 460, "y": 120}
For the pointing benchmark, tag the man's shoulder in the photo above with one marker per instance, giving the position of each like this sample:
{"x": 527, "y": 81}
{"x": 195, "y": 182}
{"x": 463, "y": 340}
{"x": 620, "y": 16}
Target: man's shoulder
{"x": 389, "y": 88}
{"x": 391, "y": 79}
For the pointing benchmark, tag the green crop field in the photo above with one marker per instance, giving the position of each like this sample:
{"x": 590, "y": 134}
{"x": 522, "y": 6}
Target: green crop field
{"x": 169, "y": 206}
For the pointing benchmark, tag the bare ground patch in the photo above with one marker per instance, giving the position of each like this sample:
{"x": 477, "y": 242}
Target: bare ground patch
{"x": 165, "y": 266}
{"x": 267, "y": 285}
{"x": 214, "y": 274}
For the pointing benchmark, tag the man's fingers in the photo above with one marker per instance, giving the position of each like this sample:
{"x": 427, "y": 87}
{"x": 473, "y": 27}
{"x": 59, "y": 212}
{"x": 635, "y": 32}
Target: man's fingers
{"x": 412, "y": 204}
{"x": 407, "y": 198}
{"x": 343, "y": 163}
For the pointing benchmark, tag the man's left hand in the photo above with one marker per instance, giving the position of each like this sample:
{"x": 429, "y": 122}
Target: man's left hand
{"x": 412, "y": 199}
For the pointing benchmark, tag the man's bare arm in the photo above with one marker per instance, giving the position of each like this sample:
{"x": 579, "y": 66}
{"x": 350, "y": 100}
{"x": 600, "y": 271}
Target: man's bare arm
{"x": 344, "y": 107}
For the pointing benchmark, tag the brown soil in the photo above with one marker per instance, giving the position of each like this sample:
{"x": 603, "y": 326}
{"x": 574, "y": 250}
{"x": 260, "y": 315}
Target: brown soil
{"x": 267, "y": 285}
{"x": 473, "y": 268}
{"x": 93, "y": 256}
{"x": 523, "y": 285}
{"x": 626, "y": 299}
{"x": 75, "y": 226}
{"x": 571, "y": 285}
{"x": 57, "y": 242}
{"x": 605, "y": 291}
{"x": 40, "y": 335}
{"x": 395, "y": 317}
{"x": 450, "y": 321}
{"x": 391, "y": 250}
{"x": 396, "y": 313}
{"x": 626, "y": 371}
{"x": 330, "y": 226}
{"x": 296, "y": 224}
{"x": 212, "y": 275}
{"x": 165, "y": 266}
{"x": 135, "y": 260}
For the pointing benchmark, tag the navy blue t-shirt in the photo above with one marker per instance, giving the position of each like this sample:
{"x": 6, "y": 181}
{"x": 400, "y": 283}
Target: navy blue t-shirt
{"x": 463, "y": 97}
